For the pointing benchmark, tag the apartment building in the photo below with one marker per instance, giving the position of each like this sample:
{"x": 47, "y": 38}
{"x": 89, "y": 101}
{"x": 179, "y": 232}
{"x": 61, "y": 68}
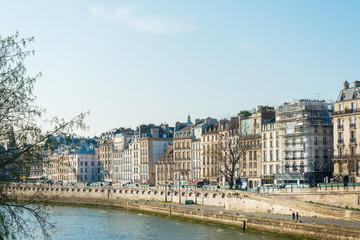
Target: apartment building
{"x": 153, "y": 142}
{"x": 346, "y": 122}
{"x": 305, "y": 137}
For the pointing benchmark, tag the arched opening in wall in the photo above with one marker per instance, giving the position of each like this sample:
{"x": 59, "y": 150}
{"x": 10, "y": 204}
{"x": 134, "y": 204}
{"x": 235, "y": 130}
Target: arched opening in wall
{"x": 33, "y": 189}
{"x": 90, "y": 190}
{"x": 198, "y": 195}
{"x": 62, "y": 189}
{"x": 143, "y": 192}
{"x": 57, "y": 189}
{"x": 29, "y": 188}
{"x": 78, "y": 190}
{"x": 120, "y": 191}
{"x": 190, "y": 194}
{"x": 182, "y": 194}
{"x": 137, "y": 191}
{"x": 175, "y": 193}
{"x": 126, "y": 191}
{"x": 67, "y": 189}
{"x": 114, "y": 191}
{"x": 73, "y": 190}
{"x": 223, "y": 195}
{"x": 132, "y": 191}
{"x": 214, "y": 195}
{"x": 155, "y": 192}
{"x": 149, "y": 192}
{"x": 47, "y": 189}
{"x": 206, "y": 195}
{"x": 161, "y": 193}
{"x": 51, "y": 189}
{"x": 102, "y": 190}
{"x": 168, "y": 193}
{"x": 96, "y": 190}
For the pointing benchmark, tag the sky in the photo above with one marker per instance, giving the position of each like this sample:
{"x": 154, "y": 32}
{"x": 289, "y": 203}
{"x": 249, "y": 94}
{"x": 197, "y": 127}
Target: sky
{"x": 139, "y": 62}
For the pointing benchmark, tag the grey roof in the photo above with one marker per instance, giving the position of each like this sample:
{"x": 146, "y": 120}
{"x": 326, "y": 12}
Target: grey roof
{"x": 84, "y": 150}
{"x": 187, "y": 128}
{"x": 348, "y": 94}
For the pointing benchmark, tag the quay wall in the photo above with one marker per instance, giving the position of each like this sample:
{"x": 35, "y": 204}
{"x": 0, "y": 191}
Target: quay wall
{"x": 240, "y": 220}
{"x": 230, "y": 200}
{"x": 348, "y": 197}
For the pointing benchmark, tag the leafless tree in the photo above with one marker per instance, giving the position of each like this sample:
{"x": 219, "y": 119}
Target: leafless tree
{"x": 23, "y": 142}
{"x": 230, "y": 152}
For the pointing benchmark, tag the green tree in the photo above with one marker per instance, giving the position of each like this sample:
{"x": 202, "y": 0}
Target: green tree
{"x": 22, "y": 141}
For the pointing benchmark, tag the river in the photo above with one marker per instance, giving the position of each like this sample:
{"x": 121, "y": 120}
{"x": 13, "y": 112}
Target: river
{"x": 109, "y": 223}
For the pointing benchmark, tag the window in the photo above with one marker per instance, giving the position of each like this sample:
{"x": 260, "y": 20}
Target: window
{"x": 271, "y": 155}
{"x": 315, "y": 141}
{"x": 341, "y": 107}
{"x": 353, "y": 106}
{"x": 271, "y": 144}
{"x": 264, "y": 155}
{"x": 265, "y": 170}
{"x": 271, "y": 169}
{"x": 324, "y": 141}
{"x": 277, "y": 155}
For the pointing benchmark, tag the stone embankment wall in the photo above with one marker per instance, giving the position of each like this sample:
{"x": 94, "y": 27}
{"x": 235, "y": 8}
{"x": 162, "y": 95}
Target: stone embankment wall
{"x": 231, "y": 200}
{"x": 241, "y": 220}
{"x": 334, "y": 196}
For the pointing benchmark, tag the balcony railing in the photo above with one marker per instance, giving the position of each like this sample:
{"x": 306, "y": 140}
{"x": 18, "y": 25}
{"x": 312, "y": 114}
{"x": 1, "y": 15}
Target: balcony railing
{"x": 347, "y": 111}
{"x": 352, "y": 140}
{"x": 352, "y": 125}
{"x": 340, "y": 126}
{"x": 340, "y": 141}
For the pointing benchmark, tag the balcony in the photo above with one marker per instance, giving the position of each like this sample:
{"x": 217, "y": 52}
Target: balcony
{"x": 340, "y": 141}
{"x": 352, "y": 125}
{"x": 353, "y": 140}
{"x": 340, "y": 127}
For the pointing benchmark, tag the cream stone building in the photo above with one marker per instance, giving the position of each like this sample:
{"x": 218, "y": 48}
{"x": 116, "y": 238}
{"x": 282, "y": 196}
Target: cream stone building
{"x": 56, "y": 166}
{"x": 210, "y": 165}
{"x": 250, "y": 131}
{"x": 346, "y": 122}
{"x": 271, "y": 151}
{"x": 153, "y": 141}
{"x": 182, "y": 155}
{"x": 165, "y": 168}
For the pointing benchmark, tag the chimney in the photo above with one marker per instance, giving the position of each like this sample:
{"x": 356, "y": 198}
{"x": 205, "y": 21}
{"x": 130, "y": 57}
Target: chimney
{"x": 357, "y": 83}
{"x": 346, "y": 85}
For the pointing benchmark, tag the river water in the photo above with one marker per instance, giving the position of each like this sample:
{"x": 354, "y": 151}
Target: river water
{"x": 109, "y": 223}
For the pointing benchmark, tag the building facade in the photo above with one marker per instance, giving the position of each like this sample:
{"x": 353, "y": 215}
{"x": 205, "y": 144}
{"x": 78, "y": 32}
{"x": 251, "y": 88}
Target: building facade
{"x": 346, "y": 124}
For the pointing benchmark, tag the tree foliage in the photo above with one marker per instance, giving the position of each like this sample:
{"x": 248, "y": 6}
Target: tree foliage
{"x": 22, "y": 140}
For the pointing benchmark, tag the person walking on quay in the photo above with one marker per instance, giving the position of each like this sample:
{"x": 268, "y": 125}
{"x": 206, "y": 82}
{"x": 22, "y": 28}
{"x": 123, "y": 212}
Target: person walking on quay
{"x": 297, "y": 216}
{"x": 293, "y": 215}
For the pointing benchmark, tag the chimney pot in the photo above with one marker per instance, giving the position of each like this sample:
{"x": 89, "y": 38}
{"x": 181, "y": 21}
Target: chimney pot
{"x": 357, "y": 83}
{"x": 346, "y": 85}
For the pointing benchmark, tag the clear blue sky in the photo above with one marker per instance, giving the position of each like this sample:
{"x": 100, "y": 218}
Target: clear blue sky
{"x": 134, "y": 62}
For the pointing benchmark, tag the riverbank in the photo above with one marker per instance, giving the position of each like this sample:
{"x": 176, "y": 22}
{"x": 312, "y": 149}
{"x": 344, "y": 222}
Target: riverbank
{"x": 279, "y": 224}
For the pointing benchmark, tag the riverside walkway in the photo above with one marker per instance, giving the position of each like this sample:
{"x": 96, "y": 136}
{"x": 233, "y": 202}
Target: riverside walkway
{"x": 338, "y": 222}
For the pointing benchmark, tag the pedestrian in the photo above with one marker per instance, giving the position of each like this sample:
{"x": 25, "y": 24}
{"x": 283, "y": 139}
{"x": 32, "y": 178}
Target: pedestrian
{"x": 297, "y": 216}
{"x": 293, "y": 215}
